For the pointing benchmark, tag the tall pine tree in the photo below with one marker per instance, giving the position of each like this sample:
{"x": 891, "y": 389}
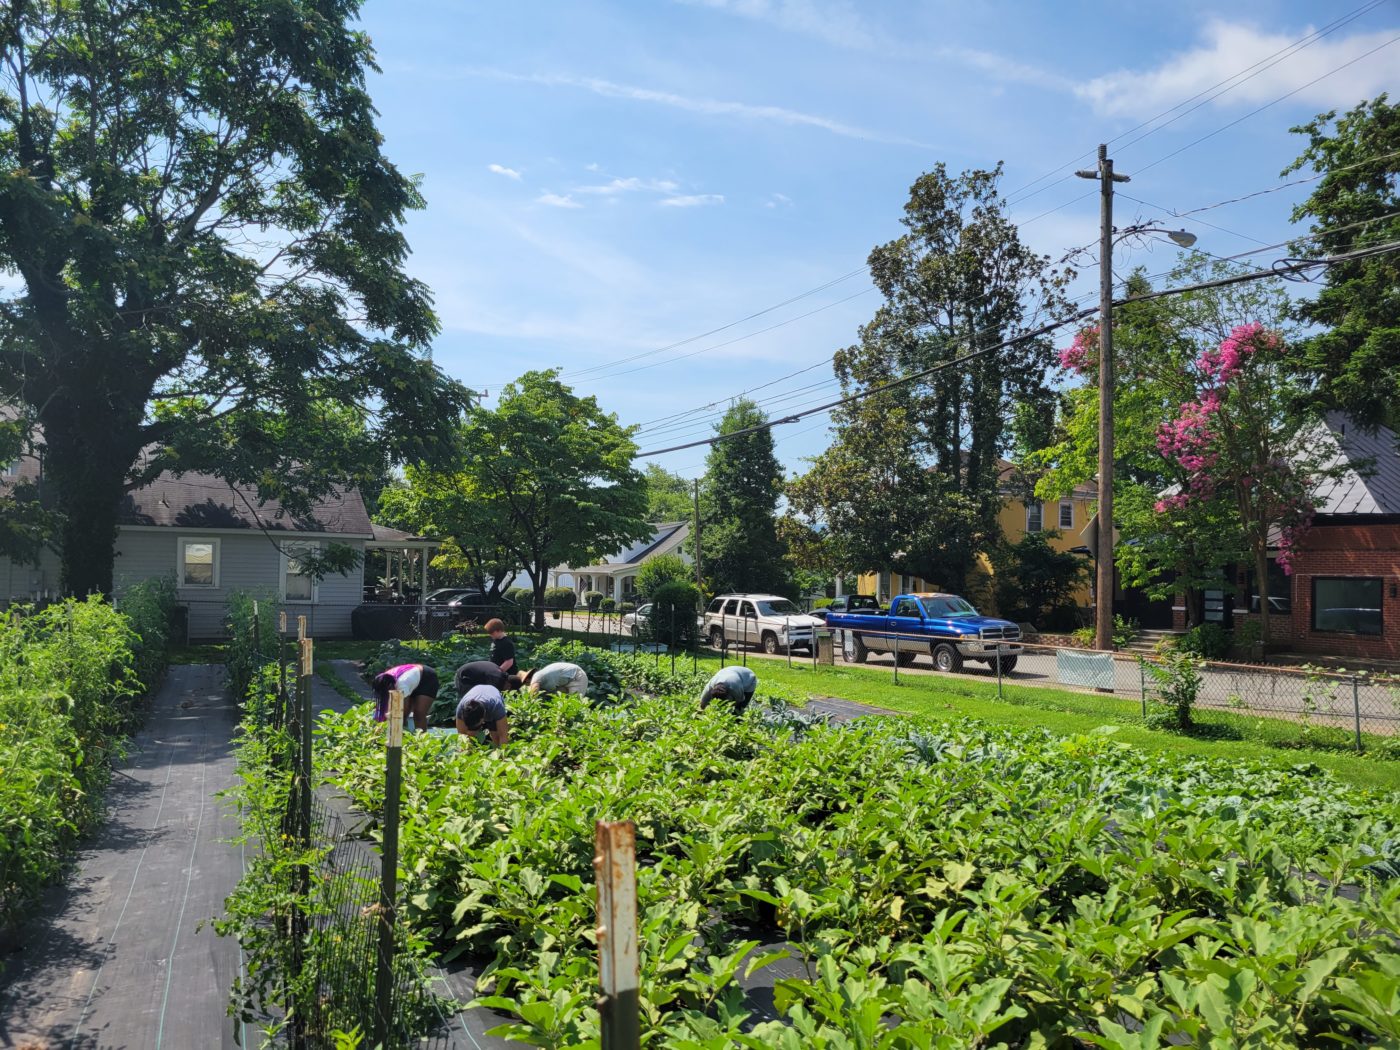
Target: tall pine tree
{"x": 743, "y": 480}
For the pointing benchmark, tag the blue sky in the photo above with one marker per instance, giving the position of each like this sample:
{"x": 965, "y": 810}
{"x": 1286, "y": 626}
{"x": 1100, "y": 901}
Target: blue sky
{"x": 608, "y": 179}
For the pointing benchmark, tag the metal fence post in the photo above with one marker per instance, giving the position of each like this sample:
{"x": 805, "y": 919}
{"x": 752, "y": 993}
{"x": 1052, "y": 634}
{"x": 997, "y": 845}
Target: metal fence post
{"x": 671, "y": 642}
{"x": 999, "y": 671}
{"x": 257, "y": 633}
{"x": 896, "y": 659}
{"x": 619, "y": 1007}
{"x": 282, "y": 665}
{"x": 1356, "y": 710}
{"x": 1142, "y": 684}
{"x": 389, "y": 873}
{"x": 745, "y": 654}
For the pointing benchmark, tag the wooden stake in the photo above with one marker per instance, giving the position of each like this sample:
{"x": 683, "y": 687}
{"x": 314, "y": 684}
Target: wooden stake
{"x": 615, "y": 865}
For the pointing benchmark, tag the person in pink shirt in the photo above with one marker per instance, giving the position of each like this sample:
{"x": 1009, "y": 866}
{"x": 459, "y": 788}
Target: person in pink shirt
{"x": 419, "y": 685}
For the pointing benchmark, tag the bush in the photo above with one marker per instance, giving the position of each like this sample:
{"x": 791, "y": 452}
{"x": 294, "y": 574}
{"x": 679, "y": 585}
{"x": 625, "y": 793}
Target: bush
{"x": 1208, "y": 641}
{"x": 655, "y": 574}
{"x": 72, "y": 677}
{"x": 556, "y": 598}
{"x": 1033, "y": 581}
{"x": 607, "y": 605}
{"x": 1176, "y": 681}
{"x": 626, "y": 607}
{"x": 1245, "y": 640}
{"x": 248, "y": 649}
{"x": 150, "y": 608}
{"x": 592, "y": 599}
{"x": 822, "y": 603}
{"x": 674, "y": 604}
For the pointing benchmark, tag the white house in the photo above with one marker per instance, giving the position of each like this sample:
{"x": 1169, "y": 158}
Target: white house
{"x": 214, "y": 538}
{"x": 616, "y": 577}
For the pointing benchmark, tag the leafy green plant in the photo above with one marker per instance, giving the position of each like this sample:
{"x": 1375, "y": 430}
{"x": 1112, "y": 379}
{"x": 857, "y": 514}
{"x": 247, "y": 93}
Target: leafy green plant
{"x": 607, "y": 605}
{"x": 250, "y": 647}
{"x": 1207, "y": 641}
{"x": 592, "y": 599}
{"x": 1176, "y": 677}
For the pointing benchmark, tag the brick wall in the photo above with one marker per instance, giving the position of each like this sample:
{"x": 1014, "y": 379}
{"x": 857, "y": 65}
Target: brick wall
{"x": 1348, "y": 550}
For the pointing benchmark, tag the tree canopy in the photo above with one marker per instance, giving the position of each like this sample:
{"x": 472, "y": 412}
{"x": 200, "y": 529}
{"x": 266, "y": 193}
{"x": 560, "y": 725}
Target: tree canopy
{"x": 210, "y": 263}
{"x": 670, "y": 497}
{"x": 739, "y": 502}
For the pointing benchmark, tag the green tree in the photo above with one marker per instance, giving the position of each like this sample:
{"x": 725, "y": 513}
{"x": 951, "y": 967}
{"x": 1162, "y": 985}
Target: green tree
{"x": 445, "y": 505}
{"x": 660, "y": 571}
{"x": 206, "y": 240}
{"x": 1034, "y": 582}
{"x": 670, "y": 497}
{"x": 911, "y": 481}
{"x": 743, "y": 480}
{"x": 554, "y": 471}
{"x": 1354, "y": 361}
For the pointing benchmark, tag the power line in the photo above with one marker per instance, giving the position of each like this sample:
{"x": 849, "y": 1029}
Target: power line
{"x": 1287, "y": 268}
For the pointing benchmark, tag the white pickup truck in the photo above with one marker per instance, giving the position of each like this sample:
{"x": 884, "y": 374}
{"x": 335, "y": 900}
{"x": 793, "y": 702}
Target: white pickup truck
{"x": 766, "y": 620}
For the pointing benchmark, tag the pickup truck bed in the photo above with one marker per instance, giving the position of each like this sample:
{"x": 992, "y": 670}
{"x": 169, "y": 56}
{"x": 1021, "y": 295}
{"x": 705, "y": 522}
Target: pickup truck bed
{"x": 942, "y": 626}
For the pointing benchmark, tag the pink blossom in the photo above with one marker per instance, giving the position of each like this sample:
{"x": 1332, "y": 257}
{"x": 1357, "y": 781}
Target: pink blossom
{"x": 1082, "y": 353}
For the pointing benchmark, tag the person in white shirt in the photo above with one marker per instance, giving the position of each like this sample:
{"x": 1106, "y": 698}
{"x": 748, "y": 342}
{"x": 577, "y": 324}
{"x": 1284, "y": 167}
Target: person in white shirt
{"x": 557, "y": 678}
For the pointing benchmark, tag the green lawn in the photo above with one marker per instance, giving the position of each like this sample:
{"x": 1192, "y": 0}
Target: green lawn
{"x": 1058, "y": 710}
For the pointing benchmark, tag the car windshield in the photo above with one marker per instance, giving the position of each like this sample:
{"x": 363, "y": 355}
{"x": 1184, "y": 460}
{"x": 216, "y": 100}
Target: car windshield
{"x": 949, "y": 606}
{"x": 863, "y": 603}
{"x": 781, "y": 607}
{"x": 645, "y": 610}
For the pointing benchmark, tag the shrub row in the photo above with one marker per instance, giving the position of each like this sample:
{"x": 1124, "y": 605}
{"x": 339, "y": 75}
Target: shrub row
{"x": 73, "y": 678}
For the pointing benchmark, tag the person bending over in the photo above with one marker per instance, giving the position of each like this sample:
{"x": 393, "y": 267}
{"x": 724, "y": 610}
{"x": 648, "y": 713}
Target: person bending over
{"x": 484, "y": 672}
{"x": 419, "y": 685}
{"x": 557, "y": 678}
{"x": 484, "y": 709}
{"x": 734, "y": 684}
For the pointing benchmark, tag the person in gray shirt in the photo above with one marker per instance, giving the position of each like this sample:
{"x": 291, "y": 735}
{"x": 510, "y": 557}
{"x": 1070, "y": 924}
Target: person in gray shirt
{"x": 557, "y": 678}
{"x": 735, "y": 684}
{"x": 483, "y": 708}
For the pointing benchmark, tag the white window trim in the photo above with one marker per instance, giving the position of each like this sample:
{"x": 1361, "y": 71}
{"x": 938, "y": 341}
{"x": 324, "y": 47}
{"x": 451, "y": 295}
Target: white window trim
{"x": 1066, "y": 505}
{"x": 1035, "y": 507}
{"x": 315, "y": 584}
{"x": 180, "y": 545}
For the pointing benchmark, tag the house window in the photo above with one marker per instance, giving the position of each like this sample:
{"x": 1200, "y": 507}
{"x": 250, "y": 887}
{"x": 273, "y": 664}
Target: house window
{"x": 1066, "y": 514}
{"x": 1346, "y": 605}
{"x": 1035, "y": 519}
{"x": 11, "y": 470}
{"x": 199, "y": 563}
{"x": 297, "y": 583}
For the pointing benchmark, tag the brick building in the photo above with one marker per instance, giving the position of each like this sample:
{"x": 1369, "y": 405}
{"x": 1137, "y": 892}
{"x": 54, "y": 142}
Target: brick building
{"x": 1343, "y": 597}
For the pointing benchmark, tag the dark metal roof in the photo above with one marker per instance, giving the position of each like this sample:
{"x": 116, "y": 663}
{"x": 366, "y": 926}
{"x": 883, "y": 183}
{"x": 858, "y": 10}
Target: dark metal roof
{"x": 202, "y": 501}
{"x": 639, "y": 551}
{"x": 1373, "y": 487}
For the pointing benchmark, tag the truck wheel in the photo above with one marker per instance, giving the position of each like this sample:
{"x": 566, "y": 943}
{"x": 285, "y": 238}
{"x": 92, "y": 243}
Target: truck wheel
{"x": 770, "y": 643}
{"x": 946, "y": 658}
{"x": 906, "y": 657}
{"x": 853, "y": 649}
{"x": 1008, "y": 664}
{"x": 716, "y": 638}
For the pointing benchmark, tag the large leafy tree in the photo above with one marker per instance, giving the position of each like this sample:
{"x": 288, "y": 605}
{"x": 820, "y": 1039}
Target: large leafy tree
{"x": 208, "y": 257}
{"x": 554, "y": 472}
{"x": 739, "y": 503}
{"x": 911, "y": 481}
{"x": 1354, "y": 361}
{"x": 670, "y": 497}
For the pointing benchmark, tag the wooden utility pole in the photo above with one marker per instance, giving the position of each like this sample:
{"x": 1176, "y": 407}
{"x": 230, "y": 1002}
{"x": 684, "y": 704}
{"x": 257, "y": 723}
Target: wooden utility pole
{"x": 698, "y": 573}
{"x": 1103, "y": 564}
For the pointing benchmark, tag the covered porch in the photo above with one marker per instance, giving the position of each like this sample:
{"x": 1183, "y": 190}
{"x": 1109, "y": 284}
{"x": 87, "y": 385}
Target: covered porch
{"x": 396, "y": 566}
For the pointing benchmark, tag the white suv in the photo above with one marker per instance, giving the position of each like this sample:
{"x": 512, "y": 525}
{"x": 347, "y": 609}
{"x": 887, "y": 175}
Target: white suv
{"x": 758, "y": 619}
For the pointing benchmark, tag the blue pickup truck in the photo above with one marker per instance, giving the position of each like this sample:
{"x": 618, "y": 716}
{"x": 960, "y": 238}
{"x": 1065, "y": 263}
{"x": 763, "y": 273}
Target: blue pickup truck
{"x": 942, "y": 625}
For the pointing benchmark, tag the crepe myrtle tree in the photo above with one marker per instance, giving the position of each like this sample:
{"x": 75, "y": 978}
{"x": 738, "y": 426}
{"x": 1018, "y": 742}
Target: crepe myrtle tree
{"x": 208, "y": 259}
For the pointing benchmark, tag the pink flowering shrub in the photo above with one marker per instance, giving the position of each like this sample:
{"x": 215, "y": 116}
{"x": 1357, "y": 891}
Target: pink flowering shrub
{"x": 1082, "y": 355}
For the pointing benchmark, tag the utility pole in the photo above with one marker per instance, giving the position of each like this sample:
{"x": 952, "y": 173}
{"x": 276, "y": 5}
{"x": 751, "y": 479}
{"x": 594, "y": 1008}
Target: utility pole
{"x": 1103, "y": 568}
{"x": 698, "y": 573}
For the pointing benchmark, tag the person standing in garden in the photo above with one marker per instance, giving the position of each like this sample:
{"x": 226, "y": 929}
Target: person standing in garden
{"x": 502, "y": 648}
{"x": 484, "y": 672}
{"x": 558, "y": 677}
{"x": 419, "y": 685}
{"x": 734, "y": 684}
{"x": 484, "y": 709}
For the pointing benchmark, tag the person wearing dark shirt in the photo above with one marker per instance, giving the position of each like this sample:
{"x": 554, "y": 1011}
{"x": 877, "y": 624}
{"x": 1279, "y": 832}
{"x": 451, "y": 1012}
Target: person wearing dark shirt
{"x": 483, "y": 708}
{"x": 484, "y": 672}
{"x": 502, "y": 648}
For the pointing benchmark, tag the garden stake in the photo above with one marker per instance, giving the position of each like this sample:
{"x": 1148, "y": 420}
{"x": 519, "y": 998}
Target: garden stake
{"x": 745, "y": 656}
{"x": 999, "y": 671}
{"x": 389, "y": 871}
{"x": 615, "y": 867}
{"x": 1142, "y": 685}
{"x": 257, "y": 633}
{"x": 1356, "y": 710}
{"x": 301, "y": 628}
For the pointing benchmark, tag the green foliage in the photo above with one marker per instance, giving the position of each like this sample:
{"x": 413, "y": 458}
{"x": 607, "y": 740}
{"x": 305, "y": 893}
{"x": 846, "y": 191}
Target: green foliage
{"x": 607, "y": 605}
{"x": 72, "y": 677}
{"x": 822, "y": 603}
{"x": 670, "y": 497}
{"x": 560, "y": 598}
{"x": 232, "y": 307}
{"x": 1124, "y": 633}
{"x": 592, "y": 599}
{"x": 1176, "y": 678}
{"x": 250, "y": 649}
{"x": 739, "y": 501}
{"x": 660, "y": 571}
{"x": 911, "y": 482}
{"x": 1207, "y": 641}
{"x": 149, "y": 608}
{"x": 1246, "y": 638}
{"x": 933, "y": 886}
{"x": 1353, "y": 363}
{"x": 673, "y": 609}
{"x": 1034, "y": 582}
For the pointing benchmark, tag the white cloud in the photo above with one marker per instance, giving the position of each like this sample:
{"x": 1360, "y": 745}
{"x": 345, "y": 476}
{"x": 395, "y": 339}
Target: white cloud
{"x": 835, "y": 22}
{"x": 778, "y": 200}
{"x": 629, "y": 185}
{"x": 500, "y": 169}
{"x": 1002, "y": 68}
{"x": 1229, "y": 47}
{"x": 693, "y": 200}
{"x": 556, "y": 200}
{"x": 705, "y": 106}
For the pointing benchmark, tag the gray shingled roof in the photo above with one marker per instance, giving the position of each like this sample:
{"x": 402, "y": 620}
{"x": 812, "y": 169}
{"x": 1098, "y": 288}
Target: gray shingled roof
{"x": 637, "y": 552}
{"x": 1372, "y": 489}
{"x": 203, "y": 501}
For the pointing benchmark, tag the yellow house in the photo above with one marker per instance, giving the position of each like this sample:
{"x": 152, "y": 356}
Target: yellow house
{"x": 1066, "y": 519}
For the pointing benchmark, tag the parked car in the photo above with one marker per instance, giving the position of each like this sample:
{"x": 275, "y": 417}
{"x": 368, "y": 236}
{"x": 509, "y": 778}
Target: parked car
{"x": 635, "y": 622}
{"x": 452, "y": 595}
{"x": 848, "y": 603}
{"x": 768, "y": 620}
{"x": 944, "y": 626}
